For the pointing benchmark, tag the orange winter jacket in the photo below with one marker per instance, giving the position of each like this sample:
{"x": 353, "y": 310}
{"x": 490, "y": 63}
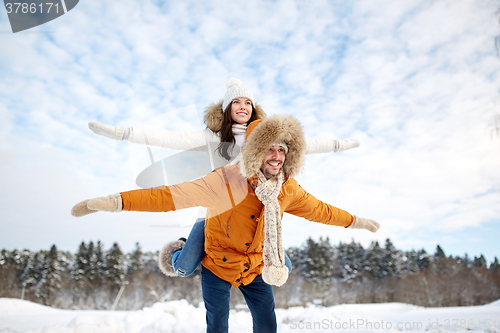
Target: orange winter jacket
{"x": 234, "y": 225}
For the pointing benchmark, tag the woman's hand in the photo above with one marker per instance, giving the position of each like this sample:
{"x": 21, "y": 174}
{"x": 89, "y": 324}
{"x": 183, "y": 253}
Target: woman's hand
{"x": 112, "y": 132}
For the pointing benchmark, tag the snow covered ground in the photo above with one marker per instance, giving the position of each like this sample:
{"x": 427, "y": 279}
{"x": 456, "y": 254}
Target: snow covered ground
{"x": 178, "y": 316}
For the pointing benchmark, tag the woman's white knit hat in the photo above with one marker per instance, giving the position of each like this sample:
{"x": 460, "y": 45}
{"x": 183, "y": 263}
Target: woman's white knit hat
{"x": 235, "y": 90}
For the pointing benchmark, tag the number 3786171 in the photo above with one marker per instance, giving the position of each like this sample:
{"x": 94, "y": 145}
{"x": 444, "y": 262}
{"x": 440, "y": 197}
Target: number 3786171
{"x": 33, "y": 8}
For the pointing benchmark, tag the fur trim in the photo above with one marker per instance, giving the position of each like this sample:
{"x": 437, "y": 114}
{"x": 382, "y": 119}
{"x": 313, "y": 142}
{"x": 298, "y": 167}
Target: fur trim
{"x": 275, "y": 276}
{"x": 277, "y": 128}
{"x": 213, "y": 115}
{"x": 111, "y": 203}
{"x": 165, "y": 257}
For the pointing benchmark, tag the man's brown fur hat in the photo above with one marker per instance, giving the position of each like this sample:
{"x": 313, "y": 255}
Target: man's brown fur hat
{"x": 263, "y": 133}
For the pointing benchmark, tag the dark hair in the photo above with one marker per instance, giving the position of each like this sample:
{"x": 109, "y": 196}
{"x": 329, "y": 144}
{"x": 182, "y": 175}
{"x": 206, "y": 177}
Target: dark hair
{"x": 227, "y": 139}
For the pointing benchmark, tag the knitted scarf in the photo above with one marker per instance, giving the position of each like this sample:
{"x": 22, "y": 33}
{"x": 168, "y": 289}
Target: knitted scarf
{"x": 275, "y": 272}
{"x": 239, "y": 131}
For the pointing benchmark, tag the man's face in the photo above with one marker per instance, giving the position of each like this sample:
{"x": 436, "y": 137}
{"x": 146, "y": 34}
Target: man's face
{"x": 273, "y": 161}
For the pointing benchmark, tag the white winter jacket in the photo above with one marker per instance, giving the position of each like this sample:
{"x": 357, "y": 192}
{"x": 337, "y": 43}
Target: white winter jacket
{"x": 208, "y": 141}
{"x": 188, "y": 166}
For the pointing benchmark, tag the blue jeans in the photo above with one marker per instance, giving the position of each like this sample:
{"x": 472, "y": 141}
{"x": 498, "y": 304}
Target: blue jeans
{"x": 258, "y": 295}
{"x": 186, "y": 261}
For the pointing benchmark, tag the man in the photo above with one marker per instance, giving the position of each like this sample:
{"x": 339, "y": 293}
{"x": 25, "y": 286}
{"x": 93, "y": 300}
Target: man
{"x": 245, "y": 203}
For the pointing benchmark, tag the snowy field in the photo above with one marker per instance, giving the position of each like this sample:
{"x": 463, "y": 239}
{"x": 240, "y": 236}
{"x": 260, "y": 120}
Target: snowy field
{"x": 178, "y": 316}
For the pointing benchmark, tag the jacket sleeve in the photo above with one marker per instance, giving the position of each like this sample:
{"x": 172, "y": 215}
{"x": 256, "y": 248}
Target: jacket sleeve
{"x": 318, "y": 146}
{"x": 208, "y": 191}
{"x": 176, "y": 140}
{"x": 305, "y": 205}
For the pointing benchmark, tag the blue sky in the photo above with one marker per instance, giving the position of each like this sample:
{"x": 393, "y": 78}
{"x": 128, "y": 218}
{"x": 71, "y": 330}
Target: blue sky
{"x": 415, "y": 81}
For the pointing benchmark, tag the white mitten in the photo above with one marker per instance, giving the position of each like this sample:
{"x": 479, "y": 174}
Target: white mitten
{"x": 81, "y": 209}
{"x": 112, "y": 132}
{"x": 347, "y": 144}
{"x": 361, "y": 223}
{"x": 111, "y": 203}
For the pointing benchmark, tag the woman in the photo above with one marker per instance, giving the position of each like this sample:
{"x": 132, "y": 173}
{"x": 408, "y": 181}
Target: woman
{"x": 226, "y": 127}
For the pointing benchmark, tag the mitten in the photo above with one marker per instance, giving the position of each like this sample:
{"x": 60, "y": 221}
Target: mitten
{"x": 347, "y": 144}
{"x": 361, "y": 223}
{"x": 112, "y": 132}
{"x": 111, "y": 203}
{"x": 81, "y": 209}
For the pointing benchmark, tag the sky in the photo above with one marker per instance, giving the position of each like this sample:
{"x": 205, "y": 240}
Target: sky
{"x": 416, "y": 82}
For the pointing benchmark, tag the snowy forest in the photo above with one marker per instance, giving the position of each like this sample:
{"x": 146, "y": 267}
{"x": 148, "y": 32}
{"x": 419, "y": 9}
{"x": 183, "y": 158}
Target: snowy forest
{"x": 325, "y": 274}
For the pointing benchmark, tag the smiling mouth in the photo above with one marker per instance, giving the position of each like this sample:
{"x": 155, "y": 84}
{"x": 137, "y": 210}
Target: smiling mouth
{"x": 274, "y": 164}
{"x": 241, "y": 113}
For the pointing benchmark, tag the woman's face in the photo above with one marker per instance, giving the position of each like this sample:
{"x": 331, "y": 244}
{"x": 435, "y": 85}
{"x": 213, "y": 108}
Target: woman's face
{"x": 241, "y": 110}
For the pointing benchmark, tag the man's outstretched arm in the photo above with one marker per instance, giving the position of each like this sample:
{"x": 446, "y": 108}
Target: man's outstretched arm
{"x": 207, "y": 191}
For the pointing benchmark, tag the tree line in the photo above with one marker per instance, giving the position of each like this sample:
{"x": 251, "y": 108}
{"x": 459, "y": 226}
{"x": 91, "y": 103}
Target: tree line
{"x": 326, "y": 274}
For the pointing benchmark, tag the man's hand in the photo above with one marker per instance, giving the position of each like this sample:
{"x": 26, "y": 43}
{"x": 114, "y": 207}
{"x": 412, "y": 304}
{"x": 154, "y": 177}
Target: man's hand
{"x": 347, "y": 144}
{"x": 112, "y": 132}
{"x": 111, "y": 203}
{"x": 361, "y": 223}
